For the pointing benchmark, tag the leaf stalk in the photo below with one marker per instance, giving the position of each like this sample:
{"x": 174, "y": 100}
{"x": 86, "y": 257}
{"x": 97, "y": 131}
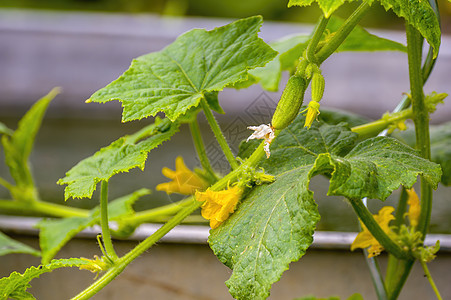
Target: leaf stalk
{"x": 373, "y": 128}
{"x": 317, "y": 35}
{"x": 41, "y": 207}
{"x": 219, "y": 135}
{"x": 342, "y": 32}
{"x": 106, "y": 234}
{"x": 367, "y": 218}
{"x": 200, "y": 148}
{"x": 429, "y": 277}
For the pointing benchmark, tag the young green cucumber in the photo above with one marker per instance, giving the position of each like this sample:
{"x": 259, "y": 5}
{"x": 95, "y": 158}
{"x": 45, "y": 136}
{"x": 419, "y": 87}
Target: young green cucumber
{"x": 318, "y": 85}
{"x": 289, "y": 103}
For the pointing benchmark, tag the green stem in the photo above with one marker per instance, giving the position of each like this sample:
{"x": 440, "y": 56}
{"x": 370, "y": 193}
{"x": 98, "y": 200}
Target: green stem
{"x": 376, "y": 276}
{"x": 200, "y": 148}
{"x": 152, "y": 214}
{"x": 401, "y": 208}
{"x": 40, "y": 207}
{"x": 395, "y": 267}
{"x": 6, "y": 184}
{"x": 317, "y": 35}
{"x": 218, "y": 134}
{"x": 342, "y": 32}
{"x": 397, "y": 281}
{"x": 429, "y": 277}
{"x": 421, "y": 119}
{"x": 198, "y": 219}
{"x": 121, "y": 263}
{"x": 368, "y": 219}
{"x": 106, "y": 235}
{"x": 373, "y": 128}
{"x": 398, "y": 271}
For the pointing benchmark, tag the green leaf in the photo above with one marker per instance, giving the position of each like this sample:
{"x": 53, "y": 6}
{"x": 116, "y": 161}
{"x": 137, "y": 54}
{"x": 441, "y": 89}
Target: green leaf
{"x": 213, "y": 102}
{"x": 18, "y": 146}
{"x": 122, "y": 155}
{"x": 178, "y": 77}
{"x": 15, "y": 286}
{"x": 123, "y": 206}
{"x": 361, "y": 40}
{"x": 420, "y": 15}
{"x": 335, "y": 116}
{"x": 291, "y": 47}
{"x": 272, "y": 227}
{"x": 355, "y": 296}
{"x": 5, "y": 130}
{"x": 274, "y": 224}
{"x": 417, "y": 13}
{"x": 376, "y": 167}
{"x": 327, "y": 6}
{"x": 55, "y": 233}
{"x": 8, "y": 246}
{"x": 440, "y": 149}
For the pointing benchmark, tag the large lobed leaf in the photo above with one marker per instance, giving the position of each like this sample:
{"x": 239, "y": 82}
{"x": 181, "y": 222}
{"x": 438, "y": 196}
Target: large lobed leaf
{"x": 272, "y": 227}
{"x": 178, "y": 77}
{"x": 122, "y": 155}
{"x": 376, "y": 167}
{"x": 55, "y": 233}
{"x": 274, "y": 224}
{"x": 15, "y": 286}
{"x": 417, "y": 13}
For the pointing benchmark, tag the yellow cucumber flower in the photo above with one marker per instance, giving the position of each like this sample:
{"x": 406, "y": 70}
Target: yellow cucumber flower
{"x": 184, "y": 181}
{"x": 312, "y": 113}
{"x": 219, "y": 205}
{"x": 414, "y": 207}
{"x": 365, "y": 239}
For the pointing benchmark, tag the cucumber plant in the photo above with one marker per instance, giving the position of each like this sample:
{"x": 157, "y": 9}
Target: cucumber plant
{"x": 262, "y": 213}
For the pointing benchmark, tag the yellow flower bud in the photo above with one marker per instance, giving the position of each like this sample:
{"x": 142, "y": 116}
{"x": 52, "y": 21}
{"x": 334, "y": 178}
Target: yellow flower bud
{"x": 414, "y": 207}
{"x": 312, "y": 113}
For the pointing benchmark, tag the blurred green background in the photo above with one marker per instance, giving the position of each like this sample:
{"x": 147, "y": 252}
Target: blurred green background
{"x": 275, "y": 10}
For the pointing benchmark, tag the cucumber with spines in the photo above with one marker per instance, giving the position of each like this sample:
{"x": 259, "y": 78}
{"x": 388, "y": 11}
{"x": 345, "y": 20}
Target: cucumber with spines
{"x": 290, "y": 102}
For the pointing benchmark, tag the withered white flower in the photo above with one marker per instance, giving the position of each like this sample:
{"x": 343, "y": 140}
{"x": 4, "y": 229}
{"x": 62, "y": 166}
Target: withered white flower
{"x": 265, "y": 132}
